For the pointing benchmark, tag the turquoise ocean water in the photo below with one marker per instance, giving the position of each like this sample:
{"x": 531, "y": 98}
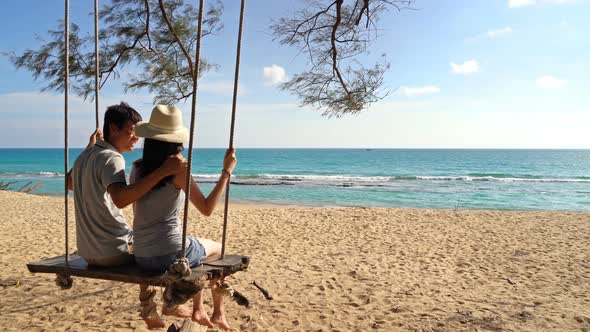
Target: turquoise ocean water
{"x": 419, "y": 178}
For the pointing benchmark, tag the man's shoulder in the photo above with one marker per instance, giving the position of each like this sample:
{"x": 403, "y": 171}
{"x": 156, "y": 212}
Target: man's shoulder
{"x": 100, "y": 153}
{"x": 83, "y": 156}
{"x": 96, "y": 156}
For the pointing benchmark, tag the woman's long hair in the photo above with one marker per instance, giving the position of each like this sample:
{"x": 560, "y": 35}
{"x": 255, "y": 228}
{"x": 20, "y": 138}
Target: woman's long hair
{"x": 154, "y": 154}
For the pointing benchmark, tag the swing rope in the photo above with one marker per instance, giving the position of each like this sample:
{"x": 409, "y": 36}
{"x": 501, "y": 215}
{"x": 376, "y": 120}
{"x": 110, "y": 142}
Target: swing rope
{"x": 233, "y": 120}
{"x": 66, "y": 102}
{"x": 66, "y": 105}
{"x": 196, "y": 71}
{"x": 97, "y": 63}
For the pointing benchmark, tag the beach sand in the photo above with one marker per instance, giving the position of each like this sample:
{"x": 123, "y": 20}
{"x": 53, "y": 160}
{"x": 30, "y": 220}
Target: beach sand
{"x": 332, "y": 269}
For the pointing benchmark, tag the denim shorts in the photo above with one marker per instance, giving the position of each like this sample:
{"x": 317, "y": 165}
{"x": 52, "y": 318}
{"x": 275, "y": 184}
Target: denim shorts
{"x": 195, "y": 251}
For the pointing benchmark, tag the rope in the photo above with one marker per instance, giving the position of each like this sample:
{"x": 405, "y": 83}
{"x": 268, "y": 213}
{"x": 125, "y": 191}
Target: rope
{"x": 97, "y": 61}
{"x": 191, "y": 140}
{"x": 64, "y": 281}
{"x": 148, "y": 306}
{"x": 66, "y": 102}
{"x": 233, "y": 120}
{"x": 177, "y": 292}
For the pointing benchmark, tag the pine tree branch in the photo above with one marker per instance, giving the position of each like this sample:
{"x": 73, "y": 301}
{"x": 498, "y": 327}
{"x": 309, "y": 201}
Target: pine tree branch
{"x": 171, "y": 28}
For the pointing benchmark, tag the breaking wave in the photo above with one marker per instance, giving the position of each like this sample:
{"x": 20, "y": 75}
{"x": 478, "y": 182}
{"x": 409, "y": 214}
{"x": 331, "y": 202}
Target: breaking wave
{"x": 344, "y": 180}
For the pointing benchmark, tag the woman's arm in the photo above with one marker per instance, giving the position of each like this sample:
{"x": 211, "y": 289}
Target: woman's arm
{"x": 207, "y": 205}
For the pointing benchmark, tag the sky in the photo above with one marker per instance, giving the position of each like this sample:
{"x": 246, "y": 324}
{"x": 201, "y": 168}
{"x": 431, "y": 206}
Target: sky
{"x": 464, "y": 74}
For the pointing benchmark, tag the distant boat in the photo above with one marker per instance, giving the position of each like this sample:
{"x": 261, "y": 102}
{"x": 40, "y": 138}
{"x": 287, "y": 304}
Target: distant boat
{"x": 368, "y": 149}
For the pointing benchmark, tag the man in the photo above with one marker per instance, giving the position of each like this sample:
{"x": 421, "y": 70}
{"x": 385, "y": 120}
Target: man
{"x": 101, "y": 189}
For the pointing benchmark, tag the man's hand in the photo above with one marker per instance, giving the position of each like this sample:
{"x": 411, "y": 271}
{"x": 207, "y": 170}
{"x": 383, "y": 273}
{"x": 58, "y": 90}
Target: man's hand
{"x": 174, "y": 165}
{"x": 96, "y": 135}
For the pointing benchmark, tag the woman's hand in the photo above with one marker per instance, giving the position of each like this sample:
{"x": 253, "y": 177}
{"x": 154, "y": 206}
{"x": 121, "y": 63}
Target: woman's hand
{"x": 230, "y": 160}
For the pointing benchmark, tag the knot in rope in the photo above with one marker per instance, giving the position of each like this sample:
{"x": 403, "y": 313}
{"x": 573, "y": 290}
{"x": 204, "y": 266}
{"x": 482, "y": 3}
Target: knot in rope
{"x": 179, "y": 269}
{"x": 178, "y": 290}
{"x": 64, "y": 281}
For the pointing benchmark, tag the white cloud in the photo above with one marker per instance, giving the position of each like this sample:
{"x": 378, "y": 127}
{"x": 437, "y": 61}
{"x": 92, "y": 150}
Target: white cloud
{"x": 499, "y": 32}
{"x": 41, "y": 113}
{"x": 224, "y": 88}
{"x": 565, "y": 25}
{"x": 526, "y": 3}
{"x": 417, "y": 91}
{"x": 275, "y": 74}
{"x": 559, "y": 2}
{"x": 491, "y": 34}
{"x": 467, "y": 68}
{"x": 35, "y": 120}
{"x": 550, "y": 82}
{"x": 47, "y": 105}
{"x": 521, "y": 3}
{"x": 250, "y": 108}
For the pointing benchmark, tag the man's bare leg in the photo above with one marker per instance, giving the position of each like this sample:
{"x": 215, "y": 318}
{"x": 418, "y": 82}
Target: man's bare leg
{"x": 218, "y": 316}
{"x": 199, "y": 313}
{"x": 149, "y": 312}
{"x": 181, "y": 311}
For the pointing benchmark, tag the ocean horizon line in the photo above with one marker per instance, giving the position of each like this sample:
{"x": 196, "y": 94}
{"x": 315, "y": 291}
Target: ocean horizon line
{"x": 339, "y": 148}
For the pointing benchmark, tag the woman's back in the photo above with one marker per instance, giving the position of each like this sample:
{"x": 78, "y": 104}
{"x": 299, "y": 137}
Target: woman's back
{"x": 156, "y": 222}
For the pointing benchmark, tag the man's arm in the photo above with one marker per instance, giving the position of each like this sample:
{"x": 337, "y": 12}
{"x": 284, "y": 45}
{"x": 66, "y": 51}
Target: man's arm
{"x": 97, "y": 134}
{"x": 70, "y": 181}
{"x": 123, "y": 194}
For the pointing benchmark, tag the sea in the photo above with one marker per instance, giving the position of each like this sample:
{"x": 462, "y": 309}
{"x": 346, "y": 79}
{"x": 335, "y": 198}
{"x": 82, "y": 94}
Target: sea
{"x": 483, "y": 179}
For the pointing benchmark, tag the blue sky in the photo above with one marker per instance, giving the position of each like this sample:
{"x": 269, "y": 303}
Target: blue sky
{"x": 464, "y": 74}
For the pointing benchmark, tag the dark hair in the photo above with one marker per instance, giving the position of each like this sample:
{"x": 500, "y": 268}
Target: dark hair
{"x": 119, "y": 115}
{"x": 154, "y": 154}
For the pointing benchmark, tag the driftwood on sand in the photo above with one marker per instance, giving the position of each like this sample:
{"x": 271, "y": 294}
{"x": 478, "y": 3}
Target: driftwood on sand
{"x": 27, "y": 188}
{"x": 262, "y": 290}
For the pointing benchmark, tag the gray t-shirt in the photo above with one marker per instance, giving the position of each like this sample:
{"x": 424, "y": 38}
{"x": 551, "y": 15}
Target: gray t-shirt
{"x": 101, "y": 229}
{"x": 156, "y": 220}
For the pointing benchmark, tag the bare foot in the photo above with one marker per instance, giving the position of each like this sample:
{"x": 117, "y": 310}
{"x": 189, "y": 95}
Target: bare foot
{"x": 182, "y": 312}
{"x": 200, "y": 316}
{"x": 218, "y": 318}
{"x": 154, "y": 322}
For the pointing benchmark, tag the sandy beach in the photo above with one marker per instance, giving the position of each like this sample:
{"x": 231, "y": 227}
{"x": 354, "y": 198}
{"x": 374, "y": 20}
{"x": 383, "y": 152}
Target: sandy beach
{"x": 333, "y": 269}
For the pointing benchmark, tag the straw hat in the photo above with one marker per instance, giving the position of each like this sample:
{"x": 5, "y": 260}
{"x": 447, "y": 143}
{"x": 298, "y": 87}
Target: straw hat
{"x": 165, "y": 125}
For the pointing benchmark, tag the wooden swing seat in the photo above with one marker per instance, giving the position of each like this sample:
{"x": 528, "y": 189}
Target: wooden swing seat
{"x": 77, "y": 267}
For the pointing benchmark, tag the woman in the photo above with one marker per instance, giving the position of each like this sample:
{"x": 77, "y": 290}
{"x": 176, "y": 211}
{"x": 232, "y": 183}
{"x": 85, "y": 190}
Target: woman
{"x": 157, "y": 227}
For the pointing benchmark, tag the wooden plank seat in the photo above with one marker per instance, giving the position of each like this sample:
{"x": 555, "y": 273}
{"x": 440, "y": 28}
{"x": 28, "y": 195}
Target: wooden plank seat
{"x": 78, "y": 267}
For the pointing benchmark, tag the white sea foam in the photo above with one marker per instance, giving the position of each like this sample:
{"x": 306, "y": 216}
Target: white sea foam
{"x": 499, "y": 179}
{"x": 345, "y": 180}
{"x": 50, "y": 174}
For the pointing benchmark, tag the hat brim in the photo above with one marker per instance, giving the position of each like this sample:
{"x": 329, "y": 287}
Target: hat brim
{"x": 146, "y": 130}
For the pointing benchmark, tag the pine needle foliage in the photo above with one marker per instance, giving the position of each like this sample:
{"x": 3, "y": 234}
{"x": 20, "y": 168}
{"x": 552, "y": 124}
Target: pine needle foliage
{"x": 131, "y": 32}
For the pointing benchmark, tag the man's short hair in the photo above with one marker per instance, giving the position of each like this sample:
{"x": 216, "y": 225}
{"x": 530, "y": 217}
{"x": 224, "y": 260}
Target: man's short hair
{"x": 119, "y": 115}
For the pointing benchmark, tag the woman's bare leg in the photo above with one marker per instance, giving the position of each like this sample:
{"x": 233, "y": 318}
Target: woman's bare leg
{"x": 213, "y": 252}
{"x": 199, "y": 313}
{"x": 212, "y": 249}
{"x": 218, "y": 316}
